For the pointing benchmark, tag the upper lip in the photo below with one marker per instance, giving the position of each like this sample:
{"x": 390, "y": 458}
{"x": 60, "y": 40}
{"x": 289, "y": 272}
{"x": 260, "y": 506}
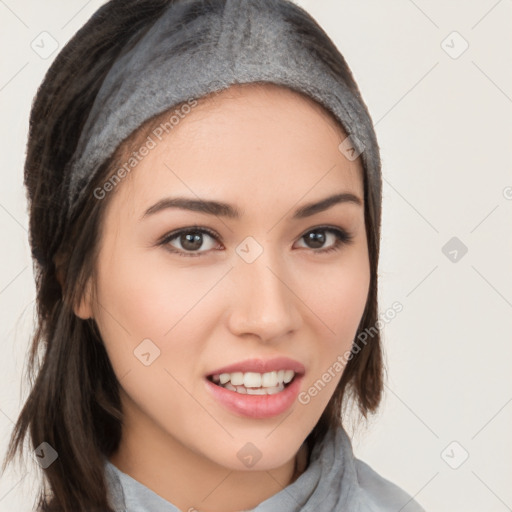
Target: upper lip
{"x": 261, "y": 366}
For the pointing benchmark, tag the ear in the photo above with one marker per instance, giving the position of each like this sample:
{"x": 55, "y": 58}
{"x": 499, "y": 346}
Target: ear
{"x": 84, "y": 309}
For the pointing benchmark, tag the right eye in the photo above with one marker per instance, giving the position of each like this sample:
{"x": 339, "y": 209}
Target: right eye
{"x": 190, "y": 239}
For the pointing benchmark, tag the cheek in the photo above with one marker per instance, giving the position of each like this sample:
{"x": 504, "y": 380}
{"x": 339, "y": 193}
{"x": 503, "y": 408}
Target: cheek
{"x": 139, "y": 300}
{"x": 337, "y": 305}
{"x": 149, "y": 319}
{"x": 338, "y": 297}
{"x": 148, "y": 299}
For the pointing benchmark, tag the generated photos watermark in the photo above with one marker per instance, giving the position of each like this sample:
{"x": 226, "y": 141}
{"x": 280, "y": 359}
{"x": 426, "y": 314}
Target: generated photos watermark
{"x": 339, "y": 364}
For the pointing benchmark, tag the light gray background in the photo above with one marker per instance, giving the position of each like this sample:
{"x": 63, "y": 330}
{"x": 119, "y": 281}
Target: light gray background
{"x": 444, "y": 128}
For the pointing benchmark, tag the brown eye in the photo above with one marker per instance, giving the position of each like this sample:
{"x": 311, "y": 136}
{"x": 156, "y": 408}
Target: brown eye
{"x": 316, "y": 238}
{"x": 190, "y": 240}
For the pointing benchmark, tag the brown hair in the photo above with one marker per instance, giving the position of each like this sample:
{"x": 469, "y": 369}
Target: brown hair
{"x": 74, "y": 400}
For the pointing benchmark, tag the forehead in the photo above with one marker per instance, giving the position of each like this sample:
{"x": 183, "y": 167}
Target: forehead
{"x": 258, "y": 142}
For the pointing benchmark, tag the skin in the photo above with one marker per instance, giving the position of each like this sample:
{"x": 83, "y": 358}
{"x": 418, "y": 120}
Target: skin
{"x": 266, "y": 150}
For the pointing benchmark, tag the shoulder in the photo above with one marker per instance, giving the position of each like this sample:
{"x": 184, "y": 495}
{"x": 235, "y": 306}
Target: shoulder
{"x": 381, "y": 494}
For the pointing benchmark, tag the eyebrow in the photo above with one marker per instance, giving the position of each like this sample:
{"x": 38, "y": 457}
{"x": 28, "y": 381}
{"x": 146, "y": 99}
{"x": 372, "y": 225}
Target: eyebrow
{"x": 226, "y": 210}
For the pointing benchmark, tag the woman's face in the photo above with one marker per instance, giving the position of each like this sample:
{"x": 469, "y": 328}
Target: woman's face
{"x": 268, "y": 283}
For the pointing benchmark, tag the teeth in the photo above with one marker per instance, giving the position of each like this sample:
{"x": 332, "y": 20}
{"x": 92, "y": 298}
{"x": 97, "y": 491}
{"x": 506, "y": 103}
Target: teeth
{"x": 269, "y": 379}
{"x": 259, "y": 381}
{"x": 237, "y": 379}
{"x": 288, "y": 376}
{"x": 254, "y": 391}
{"x": 251, "y": 380}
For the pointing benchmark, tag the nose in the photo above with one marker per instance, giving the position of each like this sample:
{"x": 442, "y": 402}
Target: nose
{"x": 264, "y": 303}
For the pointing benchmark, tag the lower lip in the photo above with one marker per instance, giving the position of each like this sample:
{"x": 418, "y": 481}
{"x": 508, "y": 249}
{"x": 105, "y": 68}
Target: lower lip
{"x": 257, "y": 406}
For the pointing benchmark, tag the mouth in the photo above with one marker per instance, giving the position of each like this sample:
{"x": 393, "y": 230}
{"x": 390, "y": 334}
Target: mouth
{"x": 250, "y": 401}
{"x": 253, "y": 383}
{"x": 257, "y": 388}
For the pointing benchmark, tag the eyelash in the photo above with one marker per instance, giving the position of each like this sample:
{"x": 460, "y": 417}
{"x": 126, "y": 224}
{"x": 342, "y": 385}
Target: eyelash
{"x": 342, "y": 238}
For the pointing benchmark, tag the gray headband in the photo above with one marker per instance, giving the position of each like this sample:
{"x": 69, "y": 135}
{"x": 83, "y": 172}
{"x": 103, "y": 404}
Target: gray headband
{"x": 189, "y": 54}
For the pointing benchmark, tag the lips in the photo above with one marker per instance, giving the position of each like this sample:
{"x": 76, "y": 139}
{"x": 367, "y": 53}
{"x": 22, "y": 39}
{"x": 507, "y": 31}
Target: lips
{"x": 261, "y": 366}
{"x": 256, "y": 406}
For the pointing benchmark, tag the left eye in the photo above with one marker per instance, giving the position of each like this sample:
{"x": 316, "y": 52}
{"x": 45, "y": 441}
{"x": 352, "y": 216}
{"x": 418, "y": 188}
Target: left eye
{"x": 317, "y": 236}
{"x": 191, "y": 239}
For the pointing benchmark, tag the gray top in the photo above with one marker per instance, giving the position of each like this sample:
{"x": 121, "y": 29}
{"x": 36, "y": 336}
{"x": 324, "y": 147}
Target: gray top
{"x": 333, "y": 481}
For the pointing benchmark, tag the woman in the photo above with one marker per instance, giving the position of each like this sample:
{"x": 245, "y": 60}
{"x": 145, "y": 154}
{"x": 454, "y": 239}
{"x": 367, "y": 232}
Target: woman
{"x": 205, "y": 194}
